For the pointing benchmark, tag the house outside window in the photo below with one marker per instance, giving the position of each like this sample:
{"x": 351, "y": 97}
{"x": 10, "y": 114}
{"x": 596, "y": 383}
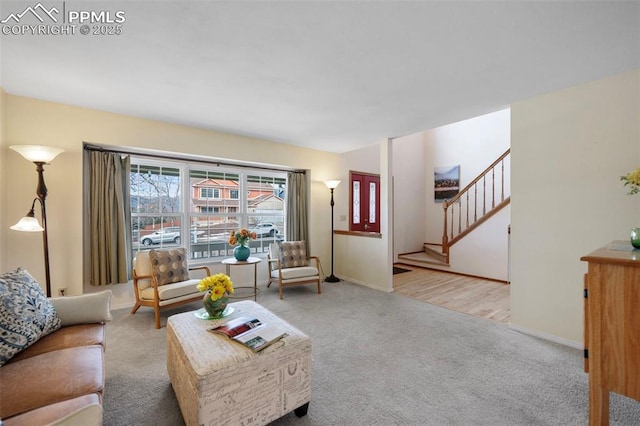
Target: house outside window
{"x": 181, "y": 204}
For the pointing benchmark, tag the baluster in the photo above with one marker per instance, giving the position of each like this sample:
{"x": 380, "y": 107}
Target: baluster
{"x": 445, "y": 239}
{"x": 467, "y": 201}
{"x": 475, "y": 202}
{"x": 484, "y": 195}
{"x": 493, "y": 187}
{"x": 452, "y": 209}
{"x": 502, "y": 192}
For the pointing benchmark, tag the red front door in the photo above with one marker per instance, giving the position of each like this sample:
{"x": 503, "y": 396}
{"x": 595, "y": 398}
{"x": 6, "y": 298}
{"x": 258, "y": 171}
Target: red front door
{"x": 365, "y": 202}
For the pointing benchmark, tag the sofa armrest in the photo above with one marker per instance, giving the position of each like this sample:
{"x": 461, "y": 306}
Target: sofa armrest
{"x": 85, "y": 410}
{"x": 90, "y": 415}
{"x": 84, "y": 309}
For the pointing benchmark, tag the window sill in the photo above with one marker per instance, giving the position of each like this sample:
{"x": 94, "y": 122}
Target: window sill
{"x": 359, "y": 234}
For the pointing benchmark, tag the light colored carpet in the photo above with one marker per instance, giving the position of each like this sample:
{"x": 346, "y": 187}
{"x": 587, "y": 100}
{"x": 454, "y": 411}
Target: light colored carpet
{"x": 378, "y": 359}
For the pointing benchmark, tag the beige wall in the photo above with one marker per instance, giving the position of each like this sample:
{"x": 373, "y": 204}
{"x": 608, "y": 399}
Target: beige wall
{"x": 3, "y": 190}
{"x": 409, "y": 194}
{"x": 29, "y": 121}
{"x": 358, "y": 259}
{"x": 569, "y": 149}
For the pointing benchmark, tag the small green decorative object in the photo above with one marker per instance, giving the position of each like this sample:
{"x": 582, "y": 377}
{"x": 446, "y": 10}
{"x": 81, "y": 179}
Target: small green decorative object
{"x": 215, "y": 308}
{"x": 635, "y": 237}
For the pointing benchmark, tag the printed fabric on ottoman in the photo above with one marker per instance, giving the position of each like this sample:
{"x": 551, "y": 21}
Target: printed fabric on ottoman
{"x": 26, "y": 314}
{"x": 169, "y": 266}
{"x": 293, "y": 254}
{"x": 220, "y": 382}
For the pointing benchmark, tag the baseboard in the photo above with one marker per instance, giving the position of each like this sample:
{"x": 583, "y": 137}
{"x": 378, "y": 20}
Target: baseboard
{"x": 547, "y": 336}
{"x": 365, "y": 284}
{"x": 433, "y": 267}
{"x": 122, "y": 305}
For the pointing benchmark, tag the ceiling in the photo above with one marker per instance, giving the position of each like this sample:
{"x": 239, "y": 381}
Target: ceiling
{"x": 333, "y": 76}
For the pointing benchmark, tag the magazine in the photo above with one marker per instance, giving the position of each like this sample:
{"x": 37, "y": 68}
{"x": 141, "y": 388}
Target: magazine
{"x": 251, "y": 332}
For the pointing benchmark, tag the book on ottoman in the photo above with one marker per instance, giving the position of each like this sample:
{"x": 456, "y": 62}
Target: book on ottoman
{"x": 251, "y": 332}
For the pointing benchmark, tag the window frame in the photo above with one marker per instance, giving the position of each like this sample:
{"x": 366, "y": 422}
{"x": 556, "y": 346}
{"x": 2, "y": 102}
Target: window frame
{"x": 241, "y": 211}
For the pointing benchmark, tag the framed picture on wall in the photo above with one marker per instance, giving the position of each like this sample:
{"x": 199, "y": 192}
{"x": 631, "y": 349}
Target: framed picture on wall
{"x": 446, "y": 182}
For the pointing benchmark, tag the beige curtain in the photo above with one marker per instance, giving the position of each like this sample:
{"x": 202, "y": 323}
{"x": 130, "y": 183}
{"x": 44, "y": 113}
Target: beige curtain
{"x": 296, "y": 213}
{"x": 110, "y": 218}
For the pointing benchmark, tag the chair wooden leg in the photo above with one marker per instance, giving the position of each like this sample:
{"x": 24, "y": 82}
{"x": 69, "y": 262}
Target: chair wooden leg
{"x": 280, "y": 287}
{"x": 269, "y": 283}
{"x": 157, "y": 311}
{"x": 135, "y": 308}
{"x": 319, "y": 287}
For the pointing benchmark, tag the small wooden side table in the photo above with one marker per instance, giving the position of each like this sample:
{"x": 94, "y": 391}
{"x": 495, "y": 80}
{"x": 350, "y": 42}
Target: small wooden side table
{"x": 612, "y": 326}
{"x": 232, "y": 261}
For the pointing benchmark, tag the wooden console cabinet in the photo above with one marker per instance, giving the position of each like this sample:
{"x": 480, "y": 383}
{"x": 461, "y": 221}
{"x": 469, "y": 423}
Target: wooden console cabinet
{"x": 612, "y": 326}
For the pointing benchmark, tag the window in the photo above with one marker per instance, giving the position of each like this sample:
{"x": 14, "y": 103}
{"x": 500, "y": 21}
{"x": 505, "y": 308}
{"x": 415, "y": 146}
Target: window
{"x": 176, "y": 203}
{"x": 364, "y": 205}
{"x": 156, "y": 204}
{"x": 209, "y": 209}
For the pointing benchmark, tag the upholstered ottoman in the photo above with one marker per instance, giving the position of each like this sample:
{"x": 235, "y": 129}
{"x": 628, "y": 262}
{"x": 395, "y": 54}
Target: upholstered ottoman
{"x": 220, "y": 382}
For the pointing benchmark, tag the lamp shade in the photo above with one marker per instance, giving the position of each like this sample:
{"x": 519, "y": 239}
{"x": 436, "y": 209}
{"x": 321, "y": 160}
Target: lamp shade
{"x": 332, "y": 184}
{"x": 28, "y": 224}
{"x": 36, "y": 153}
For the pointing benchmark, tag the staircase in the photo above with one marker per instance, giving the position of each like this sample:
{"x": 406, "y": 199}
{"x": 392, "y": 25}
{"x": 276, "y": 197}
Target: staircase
{"x": 431, "y": 254}
{"x": 485, "y": 196}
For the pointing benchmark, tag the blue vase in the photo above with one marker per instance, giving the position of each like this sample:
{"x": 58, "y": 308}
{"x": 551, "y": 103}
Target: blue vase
{"x": 241, "y": 253}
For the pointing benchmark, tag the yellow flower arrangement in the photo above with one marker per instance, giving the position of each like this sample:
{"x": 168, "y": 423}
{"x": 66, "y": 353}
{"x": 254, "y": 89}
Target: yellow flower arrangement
{"x": 218, "y": 284}
{"x": 241, "y": 236}
{"x": 632, "y": 179}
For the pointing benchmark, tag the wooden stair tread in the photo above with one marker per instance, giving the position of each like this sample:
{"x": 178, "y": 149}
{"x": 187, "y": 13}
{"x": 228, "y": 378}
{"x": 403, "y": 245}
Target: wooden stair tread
{"x": 424, "y": 257}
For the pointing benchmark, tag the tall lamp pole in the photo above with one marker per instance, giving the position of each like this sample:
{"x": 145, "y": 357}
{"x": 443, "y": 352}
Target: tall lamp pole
{"x": 40, "y": 155}
{"x": 332, "y": 184}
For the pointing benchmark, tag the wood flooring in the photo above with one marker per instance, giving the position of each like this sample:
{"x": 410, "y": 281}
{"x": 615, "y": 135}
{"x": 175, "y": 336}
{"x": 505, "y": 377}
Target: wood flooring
{"x": 474, "y": 296}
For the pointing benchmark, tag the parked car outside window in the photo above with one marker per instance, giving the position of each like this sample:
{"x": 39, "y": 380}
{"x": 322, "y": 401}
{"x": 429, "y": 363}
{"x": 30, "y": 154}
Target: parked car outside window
{"x": 164, "y": 235}
{"x": 265, "y": 229}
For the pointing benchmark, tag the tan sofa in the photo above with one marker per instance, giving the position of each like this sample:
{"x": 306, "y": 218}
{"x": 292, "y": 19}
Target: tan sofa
{"x": 60, "y": 378}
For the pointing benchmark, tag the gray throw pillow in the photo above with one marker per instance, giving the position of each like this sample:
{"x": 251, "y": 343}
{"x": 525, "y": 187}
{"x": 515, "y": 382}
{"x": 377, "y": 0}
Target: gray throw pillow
{"x": 84, "y": 309}
{"x": 26, "y": 314}
{"x": 169, "y": 266}
{"x": 293, "y": 254}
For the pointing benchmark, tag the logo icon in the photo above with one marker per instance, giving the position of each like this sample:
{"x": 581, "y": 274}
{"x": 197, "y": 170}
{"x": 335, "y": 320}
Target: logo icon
{"x": 39, "y": 11}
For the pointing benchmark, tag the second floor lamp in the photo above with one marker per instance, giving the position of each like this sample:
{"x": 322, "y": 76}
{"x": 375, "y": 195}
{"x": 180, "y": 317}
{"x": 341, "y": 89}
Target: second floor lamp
{"x": 332, "y": 184}
{"x": 40, "y": 155}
